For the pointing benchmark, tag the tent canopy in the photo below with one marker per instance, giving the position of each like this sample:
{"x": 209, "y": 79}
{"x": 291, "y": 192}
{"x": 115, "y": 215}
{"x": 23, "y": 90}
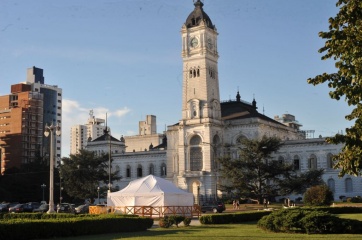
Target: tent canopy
{"x": 150, "y": 191}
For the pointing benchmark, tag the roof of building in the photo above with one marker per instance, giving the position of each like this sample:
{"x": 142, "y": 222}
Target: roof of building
{"x": 105, "y": 137}
{"x": 238, "y": 109}
{"x": 197, "y": 16}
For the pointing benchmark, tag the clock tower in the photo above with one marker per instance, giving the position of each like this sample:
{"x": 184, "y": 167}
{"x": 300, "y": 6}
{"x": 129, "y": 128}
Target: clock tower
{"x": 200, "y": 95}
{"x": 194, "y": 142}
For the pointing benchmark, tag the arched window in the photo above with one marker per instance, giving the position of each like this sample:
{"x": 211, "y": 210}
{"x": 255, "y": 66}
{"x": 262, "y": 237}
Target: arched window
{"x": 190, "y": 73}
{"x": 349, "y": 186}
{"x": 139, "y": 170}
{"x": 331, "y": 184}
{"x": 163, "y": 170}
{"x": 128, "y": 171}
{"x": 195, "y": 154}
{"x": 198, "y": 72}
{"x": 312, "y": 162}
{"x": 152, "y": 169}
{"x": 330, "y": 161}
{"x": 194, "y": 73}
{"x": 215, "y": 152}
{"x": 296, "y": 163}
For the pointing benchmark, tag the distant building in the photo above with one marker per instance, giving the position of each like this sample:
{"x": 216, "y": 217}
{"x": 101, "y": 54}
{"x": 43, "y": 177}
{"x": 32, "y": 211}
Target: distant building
{"x": 80, "y": 135}
{"x": 23, "y": 115}
{"x": 52, "y": 107}
{"x": 146, "y": 137}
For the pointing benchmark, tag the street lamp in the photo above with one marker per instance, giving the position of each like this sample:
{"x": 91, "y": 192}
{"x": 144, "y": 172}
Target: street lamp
{"x": 49, "y": 130}
{"x": 98, "y": 194}
{"x": 43, "y": 186}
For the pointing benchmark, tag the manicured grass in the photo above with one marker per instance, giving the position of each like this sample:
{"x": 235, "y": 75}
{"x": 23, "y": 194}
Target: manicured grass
{"x": 209, "y": 232}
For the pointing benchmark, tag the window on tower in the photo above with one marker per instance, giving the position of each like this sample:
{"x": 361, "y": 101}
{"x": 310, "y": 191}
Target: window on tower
{"x": 196, "y": 160}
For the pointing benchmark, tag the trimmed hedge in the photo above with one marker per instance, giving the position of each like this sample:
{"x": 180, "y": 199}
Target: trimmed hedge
{"x": 257, "y": 215}
{"x": 233, "y": 217}
{"x": 67, "y": 227}
{"x": 337, "y": 210}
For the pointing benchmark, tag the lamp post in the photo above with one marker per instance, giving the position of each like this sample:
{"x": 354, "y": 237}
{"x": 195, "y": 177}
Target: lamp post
{"x": 49, "y": 130}
{"x": 43, "y": 186}
{"x": 98, "y": 194}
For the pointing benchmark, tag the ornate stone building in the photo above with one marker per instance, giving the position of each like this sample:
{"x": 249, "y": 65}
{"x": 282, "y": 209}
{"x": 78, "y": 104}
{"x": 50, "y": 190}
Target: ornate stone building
{"x": 210, "y": 127}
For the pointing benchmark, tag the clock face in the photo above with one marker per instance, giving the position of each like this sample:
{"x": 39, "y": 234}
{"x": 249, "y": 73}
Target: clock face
{"x": 194, "y": 42}
{"x": 209, "y": 43}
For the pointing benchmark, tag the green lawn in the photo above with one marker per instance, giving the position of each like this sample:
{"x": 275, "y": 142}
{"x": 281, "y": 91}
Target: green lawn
{"x": 209, "y": 232}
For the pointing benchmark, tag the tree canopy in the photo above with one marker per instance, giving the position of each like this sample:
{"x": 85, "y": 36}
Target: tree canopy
{"x": 344, "y": 45}
{"x": 82, "y": 173}
{"x": 256, "y": 174}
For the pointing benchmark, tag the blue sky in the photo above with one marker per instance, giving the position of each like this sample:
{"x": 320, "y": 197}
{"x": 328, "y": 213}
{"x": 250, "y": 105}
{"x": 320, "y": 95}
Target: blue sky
{"x": 123, "y": 57}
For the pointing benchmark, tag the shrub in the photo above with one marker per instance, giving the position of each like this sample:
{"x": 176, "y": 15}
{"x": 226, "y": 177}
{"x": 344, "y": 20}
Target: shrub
{"x": 308, "y": 221}
{"x": 176, "y": 219}
{"x": 164, "y": 222}
{"x": 318, "y": 196}
{"x": 357, "y": 199}
{"x": 187, "y": 221}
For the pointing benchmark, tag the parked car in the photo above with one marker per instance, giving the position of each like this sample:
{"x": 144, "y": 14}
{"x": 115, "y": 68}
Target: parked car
{"x": 65, "y": 208}
{"x": 4, "y": 207}
{"x": 43, "y": 208}
{"x": 215, "y": 207}
{"x": 82, "y": 209}
{"x": 30, "y": 206}
{"x": 18, "y": 208}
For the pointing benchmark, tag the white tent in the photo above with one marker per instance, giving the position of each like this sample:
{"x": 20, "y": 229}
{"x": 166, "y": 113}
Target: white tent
{"x": 150, "y": 191}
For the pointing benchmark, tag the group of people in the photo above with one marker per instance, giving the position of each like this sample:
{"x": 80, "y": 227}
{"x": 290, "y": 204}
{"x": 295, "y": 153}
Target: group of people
{"x": 236, "y": 204}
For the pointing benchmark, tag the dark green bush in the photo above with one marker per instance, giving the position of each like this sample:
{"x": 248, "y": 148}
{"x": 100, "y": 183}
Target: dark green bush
{"x": 168, "y": 221}
{"x": 357, "y": 199}
{"x": 337, "y": 210}
{"x": 308, "y": 221}
{"x": 321, "y": 222}
{"x": 187, "y": 221}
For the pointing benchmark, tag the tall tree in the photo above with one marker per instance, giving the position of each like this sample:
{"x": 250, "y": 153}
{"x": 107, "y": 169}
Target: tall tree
{"x": 344, "y": 45}
{"x": 255, "y": 174}
{"x": 81, "y": 174}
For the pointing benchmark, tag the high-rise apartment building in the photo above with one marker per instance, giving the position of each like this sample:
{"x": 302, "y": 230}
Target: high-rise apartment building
{"x": 23, "y": 115}
{"x": 52, "y": 107}
{"x": 81, "y": 134}
{"x": 21, "y": 126}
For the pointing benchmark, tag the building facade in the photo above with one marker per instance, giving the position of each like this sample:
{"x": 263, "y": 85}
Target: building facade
{"x": 80, "y": 135}
{"x": 23, "y": 115}
{"x": 21, "y": 126}
{"x": 52, "y": 107}
{"x": 147, "y": 136}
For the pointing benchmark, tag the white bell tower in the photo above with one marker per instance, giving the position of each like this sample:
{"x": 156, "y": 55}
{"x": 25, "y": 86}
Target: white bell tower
{"x": 193, "y": 142}
{"x": 200, "y": 95}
